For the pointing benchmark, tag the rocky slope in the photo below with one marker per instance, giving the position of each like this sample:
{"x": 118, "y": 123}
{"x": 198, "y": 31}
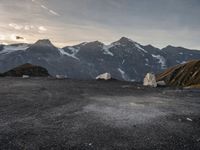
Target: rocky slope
{"x": 184, "y": 75}
{"x": 124, "y": 59}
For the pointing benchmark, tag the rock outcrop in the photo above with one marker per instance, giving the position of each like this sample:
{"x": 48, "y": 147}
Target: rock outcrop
{"x": 105, "y": 76}
{"x": 150, "y": 80}
{"x": 27, "y": 70}
{"x": 184, "y": 75}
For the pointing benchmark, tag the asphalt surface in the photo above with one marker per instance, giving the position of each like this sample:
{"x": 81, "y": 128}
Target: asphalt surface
{"x": 50, "y": 114}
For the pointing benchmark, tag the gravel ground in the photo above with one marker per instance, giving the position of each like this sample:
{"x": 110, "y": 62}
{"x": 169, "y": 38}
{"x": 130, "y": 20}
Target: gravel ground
{"x": 50, "y": 114}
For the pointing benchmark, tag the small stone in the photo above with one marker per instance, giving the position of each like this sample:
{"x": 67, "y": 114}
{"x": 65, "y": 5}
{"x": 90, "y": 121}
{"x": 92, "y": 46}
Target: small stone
{"x": 90, "y": 144}
{"x": 188, "y": 119}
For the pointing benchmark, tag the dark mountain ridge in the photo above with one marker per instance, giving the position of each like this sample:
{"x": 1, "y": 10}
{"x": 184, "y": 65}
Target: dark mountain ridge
{"x": 26, "y": 69}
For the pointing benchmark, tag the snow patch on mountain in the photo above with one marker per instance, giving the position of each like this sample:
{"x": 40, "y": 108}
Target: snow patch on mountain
{"x": 11, "y": 48}
{"x": 115, "y": 44}
{"x": 147, "y": 62}
{"x": 131, "y": 40}
{"x": 83, "y": 44}
{"x": 140, "y": 48}
{"x": 123, "y": 74}
{"x": 70, "y": 55}
{"x": 106, "y": 49}
{"x": 74, "y": 50}
{"x": 161, "y": 59}
{"x": 183, "y": 62}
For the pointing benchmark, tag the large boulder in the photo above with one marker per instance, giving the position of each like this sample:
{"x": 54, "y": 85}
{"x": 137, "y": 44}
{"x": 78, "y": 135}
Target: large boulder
{"x": 150, "y": 80}
{"x": 105, "y": 76}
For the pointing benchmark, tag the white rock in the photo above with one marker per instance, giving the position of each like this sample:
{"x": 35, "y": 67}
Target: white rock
{"x": 188, "y": 119}
{"x": 25, "y": 76}
{"x": 105, "y": 76}
{"x": 161, "y": 83}
{"x": 61, "y": 77}
{"x": 150, "y": 80}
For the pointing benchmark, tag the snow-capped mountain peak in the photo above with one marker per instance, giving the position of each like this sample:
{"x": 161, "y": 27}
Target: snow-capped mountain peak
{"x": 140, "y": 48}
{"x": 73, "y": 54}
{"x": 125, "y": 40}
{"x": 128, "y": 43}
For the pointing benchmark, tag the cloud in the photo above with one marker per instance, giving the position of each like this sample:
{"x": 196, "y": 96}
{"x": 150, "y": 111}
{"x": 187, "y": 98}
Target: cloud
{"x": 159, "y": 22}
{"x": 26, "y": 27}
{"x": 44, "y": 7}
{"x": 54, "y": 13}
{"x": 42, "y": 29}
{"x": 2, "y": 37}
{"x": 49, "y": 10}
{"x": 16, "y": 26}
{"x": 13, "y": 37}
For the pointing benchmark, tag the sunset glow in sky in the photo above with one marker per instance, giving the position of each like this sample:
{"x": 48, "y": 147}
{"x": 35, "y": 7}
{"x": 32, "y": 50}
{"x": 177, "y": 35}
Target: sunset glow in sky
{"x": 68, "y": 22}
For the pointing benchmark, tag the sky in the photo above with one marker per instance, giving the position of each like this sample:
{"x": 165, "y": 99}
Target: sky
{"x": 68, "y": 22}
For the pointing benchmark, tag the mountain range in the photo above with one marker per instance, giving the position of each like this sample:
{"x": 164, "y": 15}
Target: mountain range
{"x": 124, "y": 59}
